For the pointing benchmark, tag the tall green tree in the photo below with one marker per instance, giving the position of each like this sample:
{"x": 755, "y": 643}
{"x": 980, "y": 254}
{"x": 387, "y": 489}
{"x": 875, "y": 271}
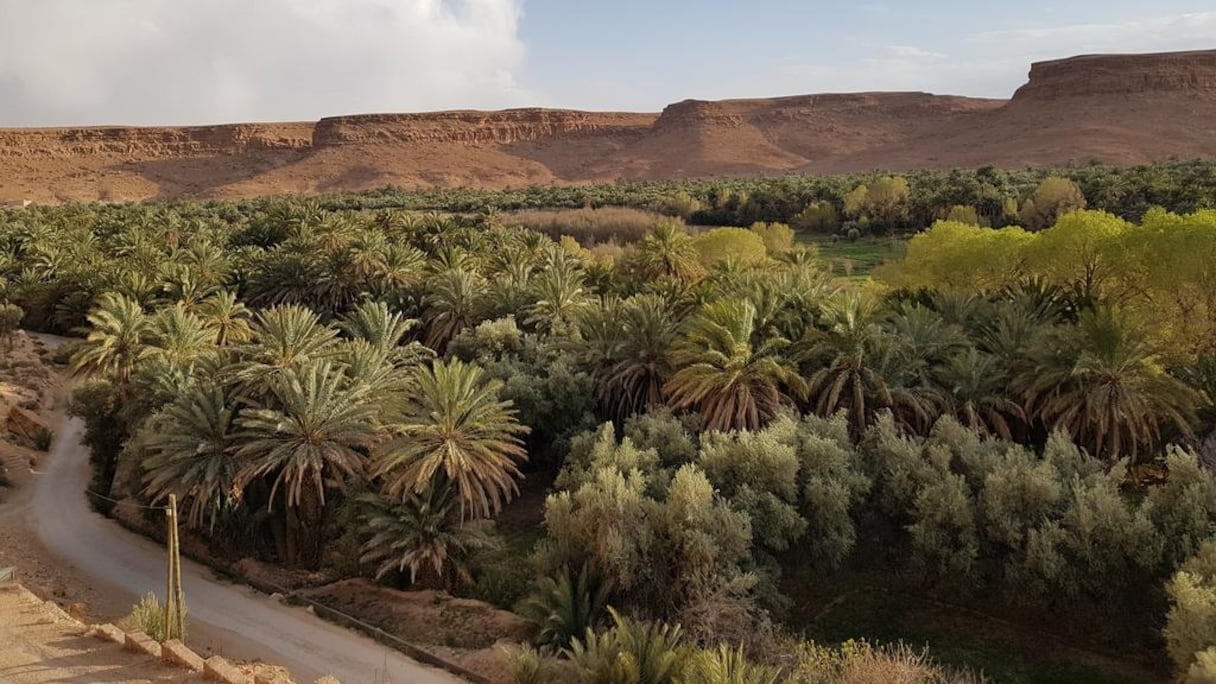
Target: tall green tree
{"x": 312, "y": 431}
{"x": 736, "y": 383}
{"x": 454, "y": 429}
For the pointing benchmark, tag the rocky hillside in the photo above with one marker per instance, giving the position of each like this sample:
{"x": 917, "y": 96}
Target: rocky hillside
{"x": 1118, "y": 109}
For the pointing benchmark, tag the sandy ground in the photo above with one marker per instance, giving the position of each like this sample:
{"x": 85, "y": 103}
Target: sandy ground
{"x": 38, "y": 646}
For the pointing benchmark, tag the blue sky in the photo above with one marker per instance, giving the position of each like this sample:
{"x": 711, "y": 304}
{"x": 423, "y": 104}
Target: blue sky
{"x": 636, "y": 54}
{"x": 72, "y": 62}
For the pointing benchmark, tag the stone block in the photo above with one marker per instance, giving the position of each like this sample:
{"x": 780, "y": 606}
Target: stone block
{"x": 139, "y": 642}
{"x": 177, "y": 653}
{"x": 217, "y": 669}
{"x": 108, "y": 632}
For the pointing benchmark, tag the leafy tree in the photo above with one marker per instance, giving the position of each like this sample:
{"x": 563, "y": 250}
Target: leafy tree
{"x": 817, "y": 217}
{"x": 1191, "y": 624}
{"x": 1053, "y": 198}
{"x": 733, "y": 245}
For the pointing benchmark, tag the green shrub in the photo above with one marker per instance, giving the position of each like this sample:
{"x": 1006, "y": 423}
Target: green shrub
{"x": 1191, "y": 622}
{"x": 149, "y": 616}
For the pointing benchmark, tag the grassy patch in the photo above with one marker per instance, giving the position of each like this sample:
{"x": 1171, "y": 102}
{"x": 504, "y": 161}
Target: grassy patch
{"x": 855, "y": 260}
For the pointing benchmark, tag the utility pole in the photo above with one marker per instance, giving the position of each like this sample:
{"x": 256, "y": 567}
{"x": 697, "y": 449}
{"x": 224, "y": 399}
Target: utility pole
{"x": 175, "y": 619}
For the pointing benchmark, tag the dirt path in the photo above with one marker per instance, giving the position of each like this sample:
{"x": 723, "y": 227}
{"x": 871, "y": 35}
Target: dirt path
{"x": 231, "y": 620}
{"x": 39, "y": 647}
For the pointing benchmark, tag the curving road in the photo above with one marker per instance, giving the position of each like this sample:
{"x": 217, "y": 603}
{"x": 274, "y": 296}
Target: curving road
{"x": 231, "y": 620}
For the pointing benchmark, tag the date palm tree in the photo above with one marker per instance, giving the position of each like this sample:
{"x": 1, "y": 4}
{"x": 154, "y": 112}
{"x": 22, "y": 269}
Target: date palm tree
{"x": 454, "y": 429}
{"x": 848, "y": 361}
{"x": 641, "y": 362}
{"x": 228, "y": 317}
{"x": 118, "y": 339}
{"x": 974, "y": 387}
{"x": 312, "y": 431}
{"x": 179, "y": 337}
{"x": 559, "y": 295}
{"x": 286, "y": 337}
{"x": 191, "y": 448}
{"x": 734, "y": 383}
{"x": 1102, "y": 382}
{"x": 669, "y": 251}
{"x": 423, "y": 536}
{"x": 454, "y": 303}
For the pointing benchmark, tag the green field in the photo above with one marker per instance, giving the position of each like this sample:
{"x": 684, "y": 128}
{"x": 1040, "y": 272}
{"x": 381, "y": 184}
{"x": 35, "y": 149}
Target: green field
{"x": 855, "y": 259}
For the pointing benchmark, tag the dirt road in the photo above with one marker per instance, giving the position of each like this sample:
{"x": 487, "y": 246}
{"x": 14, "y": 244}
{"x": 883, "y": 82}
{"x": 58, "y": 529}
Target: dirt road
{"x": 226, "y": 619}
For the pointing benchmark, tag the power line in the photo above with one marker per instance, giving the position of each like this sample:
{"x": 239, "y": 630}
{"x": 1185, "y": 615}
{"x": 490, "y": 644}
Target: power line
{"x": 112, "y": 500}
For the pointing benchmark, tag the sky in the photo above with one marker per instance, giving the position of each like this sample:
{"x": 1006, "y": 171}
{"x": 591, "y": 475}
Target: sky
{"x": 148, "y": 62}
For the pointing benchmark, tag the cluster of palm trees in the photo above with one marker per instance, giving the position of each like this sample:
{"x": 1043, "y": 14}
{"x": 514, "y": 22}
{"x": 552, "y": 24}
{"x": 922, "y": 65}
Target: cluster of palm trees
{"x": 299, "y": 409}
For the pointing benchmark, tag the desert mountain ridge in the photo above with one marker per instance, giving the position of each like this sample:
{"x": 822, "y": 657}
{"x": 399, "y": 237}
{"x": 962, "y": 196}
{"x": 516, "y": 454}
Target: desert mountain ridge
{"x": 1115, "y": 109}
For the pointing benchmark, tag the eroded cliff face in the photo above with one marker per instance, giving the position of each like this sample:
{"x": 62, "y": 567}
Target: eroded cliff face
{"x": 1119, "y": 109}
{"x": 504, "y": 128}
{"x": 154, "y": 142}
{"x": 1190, "y": 73}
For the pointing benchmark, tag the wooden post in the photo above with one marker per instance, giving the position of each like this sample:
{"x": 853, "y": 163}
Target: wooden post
{"x": 170, "y": 594}
{"x": 175, "y": 615}
{"x": 180, "y": 598}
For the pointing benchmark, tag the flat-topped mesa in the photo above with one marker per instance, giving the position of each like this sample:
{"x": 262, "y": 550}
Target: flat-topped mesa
{"x": 1177, "y": 72}
{"x": 700, "y": 113}
{"x": 466, "y": 126}
{"x": 818, "y": 108}
{"x": 153, "y": 142}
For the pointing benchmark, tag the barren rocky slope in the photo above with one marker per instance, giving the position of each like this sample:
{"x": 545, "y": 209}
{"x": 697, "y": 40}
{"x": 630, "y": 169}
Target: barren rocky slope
{"x": 1118, "y": 109}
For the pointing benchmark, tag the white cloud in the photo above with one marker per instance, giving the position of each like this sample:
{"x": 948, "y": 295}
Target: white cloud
{"x": 65, "y": 62}
{"x": 992, "y": 63}
{"x": 1192, "y": 30}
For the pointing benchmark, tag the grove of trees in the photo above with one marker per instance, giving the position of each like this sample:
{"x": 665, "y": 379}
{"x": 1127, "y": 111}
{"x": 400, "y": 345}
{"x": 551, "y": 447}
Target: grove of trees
{"x": 1014, "y": 413}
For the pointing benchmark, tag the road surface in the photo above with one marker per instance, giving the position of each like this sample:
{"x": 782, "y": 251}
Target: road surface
{"x": 226, "y": 619}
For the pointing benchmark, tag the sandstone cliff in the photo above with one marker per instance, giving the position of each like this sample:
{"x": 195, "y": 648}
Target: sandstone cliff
{"x": 1120, "y": 109}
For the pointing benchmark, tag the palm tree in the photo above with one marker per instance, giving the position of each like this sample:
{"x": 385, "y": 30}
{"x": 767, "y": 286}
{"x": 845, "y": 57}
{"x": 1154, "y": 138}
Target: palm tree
{"x": 118, "y": 339}
{"x": 560, "y": 295}
{"x": 374, "y": 322}
{"x": 728, "y": 665}
{"x": 228, "y": 317}
{"x": 564, "y": 607}
{"x": 179, "y": 337}
{"x": 1101, "y": 381}
{"x": 848, "y": 360}
{"x": 455, "y": 428}
{"x": 454, "y": 303}
{"x": 669, "y": 251}
{"x": 734, "y": 384}
{"x": 286, "y": 337}
{"x": 313, "y": 430}
{"x": 646, "y": 332}
{"x": 423, "y": 534}
{"x": 974, "y": 387}
{"x": 632, "y": 651}
{"x": 191, "y": 445}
